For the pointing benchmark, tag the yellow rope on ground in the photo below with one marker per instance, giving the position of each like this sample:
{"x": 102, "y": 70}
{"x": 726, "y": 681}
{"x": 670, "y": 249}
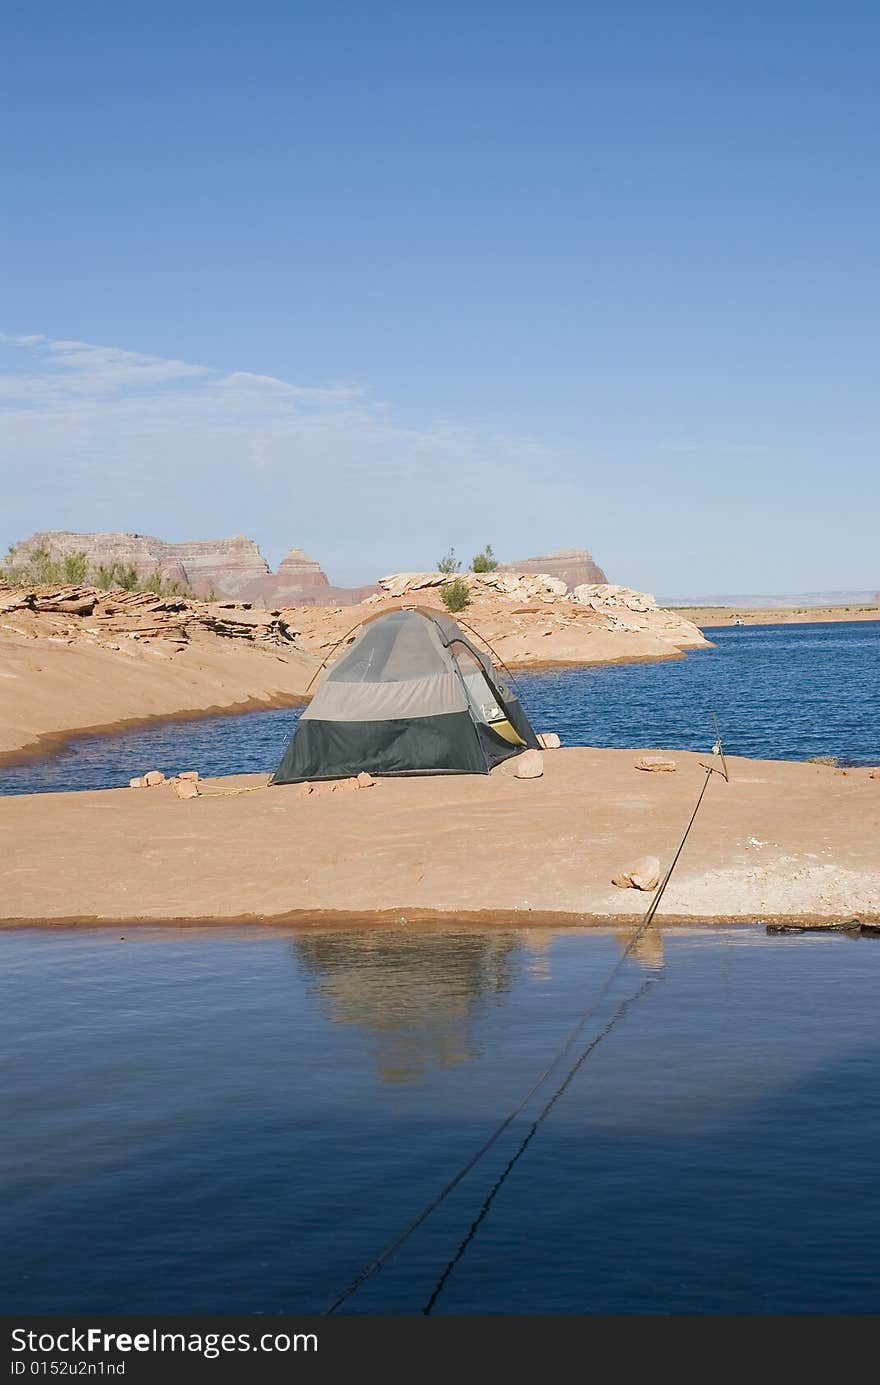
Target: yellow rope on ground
{"x": 231, "y": 793}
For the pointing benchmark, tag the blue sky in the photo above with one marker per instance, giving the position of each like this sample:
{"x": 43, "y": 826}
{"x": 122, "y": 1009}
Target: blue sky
{"x": 376, "y": 278}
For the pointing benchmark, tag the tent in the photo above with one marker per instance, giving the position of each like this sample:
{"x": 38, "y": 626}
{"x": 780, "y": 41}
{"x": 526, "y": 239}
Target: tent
{"x": 412, "y": 695}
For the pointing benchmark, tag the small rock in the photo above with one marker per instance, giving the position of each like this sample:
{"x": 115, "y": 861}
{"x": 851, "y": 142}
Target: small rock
{"x": 154, "y": 777}
{"x": 365, "y": 781}
{"x": 192, "y": 774}
{"x": 346, "y": 785}
{"x": 136, "y": 783}
{"x": 303, "y": 790}
{"x": 875, "y": 774}
{"x": 643, "y": 874}
{"x": 186, "y": 788}
{"x": 656, "y": 763}
{"x": 549, "y": 740}
{"x": 324, "y": 786}
{"x": 529, "y": 765}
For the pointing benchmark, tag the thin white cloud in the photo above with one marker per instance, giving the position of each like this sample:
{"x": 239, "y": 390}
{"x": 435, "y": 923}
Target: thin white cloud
{"x": 733, "y": 449}
{"x": 98, "y": 437}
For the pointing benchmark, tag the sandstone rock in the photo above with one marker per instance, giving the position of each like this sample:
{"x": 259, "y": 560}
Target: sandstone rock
{"x": 365, "y": 781}
{"x": 572, "y": 566}
{"x": 303, "y": 790}
{"x": 233, "y": 566}
{"x": 643, "y": 874}
{"x": 186, "y": 788}
{"x": 192, "y": 774}
{"x": 529, "y": 765}
{"x": 656, "y": 764}
{"x": 875, "y": 774}
{"x": 137, "y": 783}
{"x": 153, "y": 777}
{"x": 549, "y": 740}
{"x": 324, "y": 786}
{"x": 346, "y": 785}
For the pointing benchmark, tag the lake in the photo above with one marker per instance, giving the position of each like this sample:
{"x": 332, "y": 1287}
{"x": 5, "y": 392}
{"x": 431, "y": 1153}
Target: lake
{"x": 237, "y": 1121}
{"x": 780, "y": 692}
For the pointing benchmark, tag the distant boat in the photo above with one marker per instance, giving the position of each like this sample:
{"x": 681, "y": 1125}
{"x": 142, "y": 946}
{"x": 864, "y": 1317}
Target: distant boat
{"x": 738, "y": 620}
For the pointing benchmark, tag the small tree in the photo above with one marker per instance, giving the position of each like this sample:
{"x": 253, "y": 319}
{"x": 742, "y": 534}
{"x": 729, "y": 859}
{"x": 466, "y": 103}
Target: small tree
{"x": 485, "y": 561}
{"x": 450, "y": 563}
{"x": 76, "y": 565}
{"x": 456, "y": 595}
{"x": 12, "y": 571}
{"x": 153, "y": 583}
{"x": 45, "y": 569}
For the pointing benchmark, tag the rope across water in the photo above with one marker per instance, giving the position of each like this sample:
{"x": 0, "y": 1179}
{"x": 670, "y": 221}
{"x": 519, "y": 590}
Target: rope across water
{"x": 381, "y": 1259}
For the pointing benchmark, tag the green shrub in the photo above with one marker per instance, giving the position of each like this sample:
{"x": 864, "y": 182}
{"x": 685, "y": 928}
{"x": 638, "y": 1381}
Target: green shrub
{"x": 118, "y": 575}
{"x": 76, "y": 566}
{"x": 456, "y": 595}
{"x": 153, "y": 583}
{"x": 44, "y": 569}
{"x": 450, "y": 563}
{"x": 831, "y": 760}
{"x": 485, "y": 561}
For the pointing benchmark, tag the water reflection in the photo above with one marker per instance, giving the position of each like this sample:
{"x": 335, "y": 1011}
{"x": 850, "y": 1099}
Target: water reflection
{"x": 647, "y": 949}
{"x": 416, "y": 993}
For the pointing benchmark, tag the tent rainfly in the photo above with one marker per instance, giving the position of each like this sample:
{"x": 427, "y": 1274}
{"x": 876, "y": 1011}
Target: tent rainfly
{"x": 411, "y": 695}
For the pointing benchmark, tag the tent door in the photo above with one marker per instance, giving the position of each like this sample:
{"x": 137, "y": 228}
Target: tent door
{"x": 484, "y": 704}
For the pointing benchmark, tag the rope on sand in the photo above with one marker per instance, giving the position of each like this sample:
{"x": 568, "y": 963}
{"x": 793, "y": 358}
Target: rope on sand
{"x": 231, "y": 793}
{"x": 376, "y": 1265}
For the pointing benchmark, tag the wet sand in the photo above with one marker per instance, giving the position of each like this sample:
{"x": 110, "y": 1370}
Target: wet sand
{"x": 781, "y": 841}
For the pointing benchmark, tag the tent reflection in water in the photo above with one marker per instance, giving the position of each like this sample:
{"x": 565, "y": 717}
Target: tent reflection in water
{"x": 411, "y": 695}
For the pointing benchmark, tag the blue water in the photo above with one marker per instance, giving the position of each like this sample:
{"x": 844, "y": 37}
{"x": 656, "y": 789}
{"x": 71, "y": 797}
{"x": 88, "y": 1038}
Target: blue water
{"x": 780, "y": 692}
{"x": 222, "y": 1120}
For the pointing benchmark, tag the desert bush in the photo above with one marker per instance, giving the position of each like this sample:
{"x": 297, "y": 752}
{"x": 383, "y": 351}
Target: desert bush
{"x": 153, "y": 583}
{"x": 117, "y": 575}
{"x": 76, "y": 567}
{"x": 485, "y": 561}
{"x": 456, "y": 595}
{"x": 44, "y": 569}
{"x": 449, "y": 563}
{"x": 831, "y": 760}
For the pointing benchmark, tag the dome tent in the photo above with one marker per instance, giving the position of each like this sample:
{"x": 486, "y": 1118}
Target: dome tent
{"x": 412, "y": 695}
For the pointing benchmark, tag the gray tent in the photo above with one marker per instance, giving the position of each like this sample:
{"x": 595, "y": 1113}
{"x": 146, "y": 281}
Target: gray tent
{"x": 412, "y": 695}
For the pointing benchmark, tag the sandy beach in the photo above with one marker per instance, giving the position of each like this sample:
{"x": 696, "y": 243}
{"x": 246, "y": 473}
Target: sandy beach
{"x": 779, "y": 841}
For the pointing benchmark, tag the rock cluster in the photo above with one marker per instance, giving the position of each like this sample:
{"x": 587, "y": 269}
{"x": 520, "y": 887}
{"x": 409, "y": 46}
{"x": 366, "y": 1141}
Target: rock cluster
{"x": 325, "y": 786}
{"x": 185, "y": 784}
{"x": 617, "y": 608}
{"x": 109, "y": 617}
{"x": 519, "y": 586}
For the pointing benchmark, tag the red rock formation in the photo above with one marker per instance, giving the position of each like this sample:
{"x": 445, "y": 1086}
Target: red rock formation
{"x": 232, "y": 567}
{"x": 574, "y": 566}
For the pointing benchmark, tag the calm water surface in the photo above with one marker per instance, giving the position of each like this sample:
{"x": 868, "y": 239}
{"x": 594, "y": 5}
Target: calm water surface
{"x": 225, "y": 1121}
{"x": 781, "y": 692}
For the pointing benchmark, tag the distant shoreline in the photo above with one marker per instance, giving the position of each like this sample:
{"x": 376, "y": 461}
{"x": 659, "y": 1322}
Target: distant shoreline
{"x": 715, "y": 617}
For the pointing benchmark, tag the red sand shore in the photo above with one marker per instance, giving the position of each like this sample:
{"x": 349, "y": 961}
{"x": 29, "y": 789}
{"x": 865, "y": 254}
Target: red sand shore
{"x": 780, "y": 841}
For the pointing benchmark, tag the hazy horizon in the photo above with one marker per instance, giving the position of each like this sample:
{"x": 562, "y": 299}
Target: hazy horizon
{"x": 373, "y": 283}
